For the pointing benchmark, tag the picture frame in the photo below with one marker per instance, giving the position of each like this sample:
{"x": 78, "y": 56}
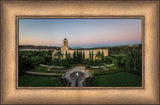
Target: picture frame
{"x": 82, "y": 17}
{"x": 12, "y": 10}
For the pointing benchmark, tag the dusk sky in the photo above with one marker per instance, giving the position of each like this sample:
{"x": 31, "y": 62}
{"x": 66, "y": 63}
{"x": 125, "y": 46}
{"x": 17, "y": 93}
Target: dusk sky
{"x": 83, "y": 33}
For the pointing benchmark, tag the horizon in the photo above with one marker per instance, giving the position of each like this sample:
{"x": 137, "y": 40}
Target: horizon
{"x": 81, "y": 33}
{"x": 77, "y": 47}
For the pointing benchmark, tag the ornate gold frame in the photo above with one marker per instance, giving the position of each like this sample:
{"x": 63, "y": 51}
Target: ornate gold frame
{"x": 12, "y": 10}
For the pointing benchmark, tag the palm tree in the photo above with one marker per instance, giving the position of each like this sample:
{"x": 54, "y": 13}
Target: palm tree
{"x": 99, "y": 55}
{"x": 59, "y": 54}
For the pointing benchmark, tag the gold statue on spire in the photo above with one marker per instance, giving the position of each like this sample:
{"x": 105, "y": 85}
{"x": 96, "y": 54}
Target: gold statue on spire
{"x": 65, "y": 38}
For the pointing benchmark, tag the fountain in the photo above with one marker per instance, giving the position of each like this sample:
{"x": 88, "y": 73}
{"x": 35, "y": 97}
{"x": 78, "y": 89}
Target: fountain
{"x": 77, "y": 74}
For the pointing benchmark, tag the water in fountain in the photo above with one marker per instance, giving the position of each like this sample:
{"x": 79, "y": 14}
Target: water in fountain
{"x": 77, "y": 74}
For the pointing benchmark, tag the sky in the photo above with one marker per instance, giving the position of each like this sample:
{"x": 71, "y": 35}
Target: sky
{"x": 81, "y": 33}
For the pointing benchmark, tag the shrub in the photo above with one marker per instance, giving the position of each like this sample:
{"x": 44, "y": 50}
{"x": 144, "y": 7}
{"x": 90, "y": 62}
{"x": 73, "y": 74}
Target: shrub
{"x": 113, "y": 68}
{"x": 63, "y": 81}
{"x": 56, "y": 62}
{"x": 96, "y": 63}
{"x": 40, "y": 68}
{"x": 65, "y": 63}
{"x": 104, "y": 72}
{"x": 114, "y": 62}
{"x": 108, "y": 59}
{"x": 89, "y": 80}
{"x": 119, "y": 58}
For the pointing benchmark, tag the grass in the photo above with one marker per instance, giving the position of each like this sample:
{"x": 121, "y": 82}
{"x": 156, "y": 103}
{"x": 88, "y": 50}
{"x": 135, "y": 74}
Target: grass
{"x": 31, "y": 81}
{"x": 104, "y": 72}
{"x": 43, "y": 70}
{"x": 123, "y": 79}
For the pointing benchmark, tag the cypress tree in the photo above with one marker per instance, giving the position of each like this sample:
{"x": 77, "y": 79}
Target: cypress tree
{"x": 74, "y": 56}
{"x": 89, "y": 55}
{"x": 69, "y": 58}
{"x": 92, "y": 55}
{"x": 77, "y": 56}
{"x": 66, "y": 54}
{"x": 83, "y": 55}
{"x": 102, "y": 55}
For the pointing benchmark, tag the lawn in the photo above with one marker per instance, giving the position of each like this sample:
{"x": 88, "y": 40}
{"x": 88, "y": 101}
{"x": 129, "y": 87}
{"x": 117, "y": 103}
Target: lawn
{"x": 41, "y": 69}
{"x": 44, "y": 71}
{"x": 122, "y": 79}
{"x": 31, "y": 81}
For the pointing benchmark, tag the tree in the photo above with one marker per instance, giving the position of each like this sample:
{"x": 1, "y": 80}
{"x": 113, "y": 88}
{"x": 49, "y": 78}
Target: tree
{"x": 102, "y": 56}
{"x": 65, "y": 63}
{"x": 127, "y": 63}
{"x": 69, "y": 58}
{"x": 49, "y": 53}
{"x": 89, "y": 55}
{"x": 109, "y": 52}
{"x": 123, "y": 61}
{"x": 92, "y": 55}
{"x": 119, "y": 57}
{"x": 66, "y": 55}
{"x": 77, "y": 56}
{"x": 37, "y": 60}
{"x": 74, "y": 56}
{"x": 108, "y": 59}
{"x": 135, "y": 54}
{"x": 99, "y": 55}
{"x": 114, "y": 62}
{"x": 48, "y": 60}
{"x": 83, "y": 55}
{"x": 24, "y": 63}
{"x": 56, "y": 62}
{"x": 58, "y": 54}
{"x": 80, "y": 56}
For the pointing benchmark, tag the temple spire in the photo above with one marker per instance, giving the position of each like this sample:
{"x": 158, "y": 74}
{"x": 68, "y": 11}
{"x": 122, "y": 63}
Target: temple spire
{"x": 65, "y": 38}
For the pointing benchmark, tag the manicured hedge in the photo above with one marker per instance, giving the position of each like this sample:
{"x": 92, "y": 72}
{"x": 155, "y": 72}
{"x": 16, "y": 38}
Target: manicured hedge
{"x": 63, "y": 81}
{"x": 104, "y": 72}
{"x": 89, "y": 80}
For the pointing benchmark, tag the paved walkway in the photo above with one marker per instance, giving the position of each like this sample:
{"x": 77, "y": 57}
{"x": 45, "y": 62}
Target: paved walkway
{"x": 77, "y": 69}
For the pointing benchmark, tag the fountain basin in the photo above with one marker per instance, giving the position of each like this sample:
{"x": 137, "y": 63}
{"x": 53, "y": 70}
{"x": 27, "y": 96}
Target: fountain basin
{"x": 77, "y": 74}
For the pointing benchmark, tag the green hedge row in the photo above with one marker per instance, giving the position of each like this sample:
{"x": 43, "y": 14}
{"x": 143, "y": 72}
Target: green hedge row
{"x": 104, "y": 72}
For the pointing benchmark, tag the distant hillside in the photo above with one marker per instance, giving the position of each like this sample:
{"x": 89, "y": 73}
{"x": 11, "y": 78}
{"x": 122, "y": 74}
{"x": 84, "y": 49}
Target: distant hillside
{"x": 33, "y": 47}
{"x": 105, "y": 47}
{"x": 88, "y": 48}
{"x": 38, "y": 47}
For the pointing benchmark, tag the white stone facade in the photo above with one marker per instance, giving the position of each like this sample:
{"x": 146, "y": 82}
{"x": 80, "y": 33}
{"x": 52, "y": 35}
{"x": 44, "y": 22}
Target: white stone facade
{"x": 65, "y": 48}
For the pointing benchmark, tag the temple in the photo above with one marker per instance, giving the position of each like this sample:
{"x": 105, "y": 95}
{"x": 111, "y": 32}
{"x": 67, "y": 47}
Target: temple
{"x": 65, "y": 49}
